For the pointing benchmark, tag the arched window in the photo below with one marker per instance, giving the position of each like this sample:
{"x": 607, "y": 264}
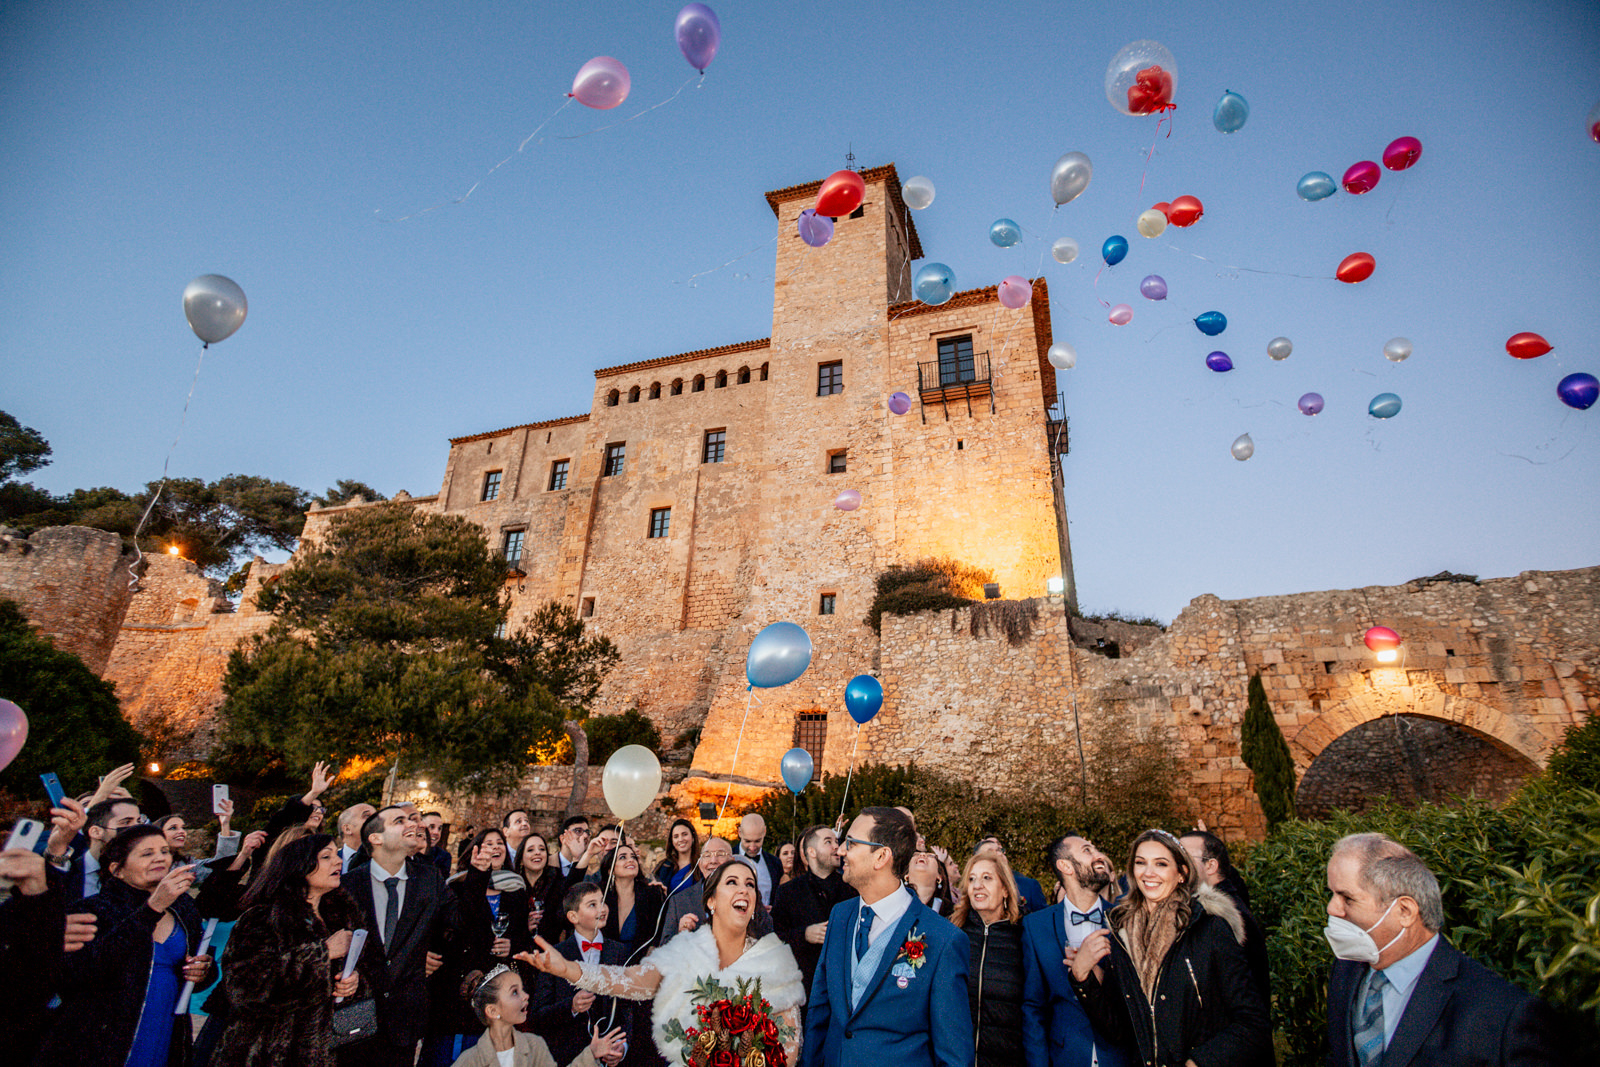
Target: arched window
{"x": 612, "y": 398}
{"x": 677, "y": 387}
{"x": 633, "y": 395}
{"x": 763, "y": 372}
{"x": 744, "y": 375}
{"x": 722, "y": 379}
{"x": 655, "y": 390}
{"x": 699, "y": 383}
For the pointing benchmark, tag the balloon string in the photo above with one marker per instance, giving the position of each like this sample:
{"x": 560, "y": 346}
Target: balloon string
{"x": 689, "y": 281}
{"x": 851, "y": 776}
{"x": 138, "y": 556}
{"x": 1153, "y": 142}
{"x": 750, "y": 695}
{"x": 624, "y": 122}
{"x": 1097, "y": 274}
{"x": 1252, "y": 270}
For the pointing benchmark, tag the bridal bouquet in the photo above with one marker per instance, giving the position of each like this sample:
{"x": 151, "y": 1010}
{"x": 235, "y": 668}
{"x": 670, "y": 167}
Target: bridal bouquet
{"x": 737, "y": 1028}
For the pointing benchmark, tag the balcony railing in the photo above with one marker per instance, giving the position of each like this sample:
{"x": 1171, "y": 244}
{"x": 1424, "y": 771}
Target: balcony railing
{"x": 941, "y": 381}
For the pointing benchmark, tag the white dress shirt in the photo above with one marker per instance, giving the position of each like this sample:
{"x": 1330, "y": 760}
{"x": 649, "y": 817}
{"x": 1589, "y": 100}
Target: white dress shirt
{"x": 1078, "y": 933}
{"x": 885, "y": 914}
{"x": 763, "y": 876}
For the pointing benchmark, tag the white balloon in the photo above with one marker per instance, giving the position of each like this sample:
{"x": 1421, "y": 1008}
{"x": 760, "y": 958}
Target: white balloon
{"x": 917, "y": 193}
{"x": 631, "y": 781}
{"x": 1279, "y": 348}
{"x": 1152, "y": 223}
{"x": 1062, "y": 357}
{"x": 1064, "y": 250}
{"x": 215, "y": 306}
{"x": 1070, "y": 177}
{"x": 1243, "y": 448}
{"x": 1398, "y": 350}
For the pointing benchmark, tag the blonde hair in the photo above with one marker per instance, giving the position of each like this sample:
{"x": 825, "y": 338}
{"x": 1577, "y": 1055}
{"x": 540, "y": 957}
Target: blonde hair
{"x": 1011, "y": 910}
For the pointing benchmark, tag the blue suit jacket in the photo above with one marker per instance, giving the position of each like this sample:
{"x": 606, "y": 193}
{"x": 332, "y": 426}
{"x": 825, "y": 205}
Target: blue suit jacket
{"x": 926, "y": 1022}
{"x": 1055, "y": 1031}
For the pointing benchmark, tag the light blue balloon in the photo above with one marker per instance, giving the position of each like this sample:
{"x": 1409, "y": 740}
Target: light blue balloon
{"x": 863, "y": 697}
{"x": 1114, "y": 250}
{"x": 1316, "y": 186}
{"x": 779, "y": 654}
{"x": 1005, "y": 233}
{"x": 1384, "y": 406}
{"x": 1231, "y": 113}
{"x": 934, "y": 284}
{"x": 797, "y": 768}
{"x": 1211, "y": 323}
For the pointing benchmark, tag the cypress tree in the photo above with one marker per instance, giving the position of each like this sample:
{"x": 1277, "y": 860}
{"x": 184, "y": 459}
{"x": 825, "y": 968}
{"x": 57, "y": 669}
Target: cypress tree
{"x": 1266, "y": 753}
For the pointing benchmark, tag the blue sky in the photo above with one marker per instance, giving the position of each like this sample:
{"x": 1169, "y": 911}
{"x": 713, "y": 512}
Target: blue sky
{"x": 147, "y": 143}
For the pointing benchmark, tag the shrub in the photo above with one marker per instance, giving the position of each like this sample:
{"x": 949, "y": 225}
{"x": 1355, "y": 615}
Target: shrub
{"x": 929, "y": 584}
{"x": 607, "y": 733}
{"x": 1267, "y": 755}
{"x": 1577, "y": 760}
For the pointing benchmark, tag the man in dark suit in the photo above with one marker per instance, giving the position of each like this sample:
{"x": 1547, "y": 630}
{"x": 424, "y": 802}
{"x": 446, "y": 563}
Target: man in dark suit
{"x": 1400, "y": 995}
{"x": 891, "y": 987}
{"x": 752, "y": 835}
{"x": 411, "y": 919}
{"x": 801, "y": 906}
{"x": 1055, "y": 1030}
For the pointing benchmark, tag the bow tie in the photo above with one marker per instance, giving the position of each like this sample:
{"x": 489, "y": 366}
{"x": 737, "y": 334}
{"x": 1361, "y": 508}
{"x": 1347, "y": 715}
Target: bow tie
{"x": 585, "y": 946}
{"x": 1094, "y": 918}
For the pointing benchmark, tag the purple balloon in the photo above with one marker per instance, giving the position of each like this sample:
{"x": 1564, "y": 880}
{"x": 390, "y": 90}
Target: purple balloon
{"x": 899, "y": 403}
{"x": 1154, "y": 287}
{"x": 13, "y": 732}
{"x": 1311, "y": 403}
{"x": 815, "y": 230}
{"x": 698, "y": 33}
{"x": 1219, "y": 362}
{"x": 1576, "y": 391}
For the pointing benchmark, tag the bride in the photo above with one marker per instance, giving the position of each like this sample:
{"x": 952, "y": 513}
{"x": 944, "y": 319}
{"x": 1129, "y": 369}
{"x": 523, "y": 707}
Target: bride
{"x": 720, "y": 950}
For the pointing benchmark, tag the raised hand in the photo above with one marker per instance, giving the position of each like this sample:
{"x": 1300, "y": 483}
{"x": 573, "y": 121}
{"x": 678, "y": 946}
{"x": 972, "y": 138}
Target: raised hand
{"x": 550, "y": 961}
{"x": 173, "y": 886}
{"x": 480, "y": 858}
{"x": 109, "y": 783}
{"x": 65, "y": 822}
{"x": 25, "y": 868}
{"x": 608, "y": 1047}
{"x": 319, "y": 783}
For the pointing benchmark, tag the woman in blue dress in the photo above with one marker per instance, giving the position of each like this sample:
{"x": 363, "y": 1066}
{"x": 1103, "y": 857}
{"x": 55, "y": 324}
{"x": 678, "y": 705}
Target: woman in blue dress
{"x": 683, "y": 852}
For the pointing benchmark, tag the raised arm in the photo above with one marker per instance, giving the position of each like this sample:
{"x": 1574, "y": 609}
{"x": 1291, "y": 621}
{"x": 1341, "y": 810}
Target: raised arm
{"x": 631, "y": 983}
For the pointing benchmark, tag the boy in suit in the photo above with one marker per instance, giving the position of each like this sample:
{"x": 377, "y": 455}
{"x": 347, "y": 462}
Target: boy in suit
{"x": 564, "y": 1015}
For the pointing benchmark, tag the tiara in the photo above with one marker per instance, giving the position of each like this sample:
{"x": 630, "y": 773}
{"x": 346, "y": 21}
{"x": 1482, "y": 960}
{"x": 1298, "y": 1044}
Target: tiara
{"x": 498, "y": 970}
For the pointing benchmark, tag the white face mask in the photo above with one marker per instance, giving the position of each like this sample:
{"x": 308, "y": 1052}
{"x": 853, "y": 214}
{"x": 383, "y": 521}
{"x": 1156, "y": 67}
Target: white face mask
{"x": 1350, "y": 942}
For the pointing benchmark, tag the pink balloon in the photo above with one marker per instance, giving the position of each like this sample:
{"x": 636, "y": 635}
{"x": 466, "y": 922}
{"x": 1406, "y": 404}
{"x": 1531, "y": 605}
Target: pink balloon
{"x": 602, "y": 83}
{"x": 848, "y": 500}
{"x": 13, "y": 732}
{"x": 1362, "y": 177}
{"x": 1015, "y": 291}
{"x": 1121, "y": 315}
{"x": 1402, "y": 152}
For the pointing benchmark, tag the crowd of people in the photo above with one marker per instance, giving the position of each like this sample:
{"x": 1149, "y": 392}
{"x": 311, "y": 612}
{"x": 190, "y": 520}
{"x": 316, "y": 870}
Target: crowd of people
{"x": 374, "y": 944}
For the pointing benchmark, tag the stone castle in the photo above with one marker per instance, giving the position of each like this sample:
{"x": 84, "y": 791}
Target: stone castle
{"x": 694, "y": 504}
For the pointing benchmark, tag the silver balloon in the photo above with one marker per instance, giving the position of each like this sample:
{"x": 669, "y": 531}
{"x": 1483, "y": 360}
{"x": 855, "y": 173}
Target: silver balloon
{"x": 1279, "y": 348}
{"x": 215, "y": 307}
{"x": 917, "y": 193}
{"x": 1398, "y": 350}
{"x": 1070, "y": 177}
{"x": 1064, "y": 250}
{"x": 1062, "y": 357}
{"x": 1243, "y": 448}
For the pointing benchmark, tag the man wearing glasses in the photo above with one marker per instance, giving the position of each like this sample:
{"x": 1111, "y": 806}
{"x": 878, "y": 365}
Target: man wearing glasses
{"x": 891, "y": 986}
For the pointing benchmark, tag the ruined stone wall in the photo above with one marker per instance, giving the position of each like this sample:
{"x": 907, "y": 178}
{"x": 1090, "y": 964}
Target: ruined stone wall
{"x": 72, "y": 583}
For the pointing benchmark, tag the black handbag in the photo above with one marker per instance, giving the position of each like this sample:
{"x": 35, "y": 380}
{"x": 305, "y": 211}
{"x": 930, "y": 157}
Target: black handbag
{"x": 354, "y": 1022}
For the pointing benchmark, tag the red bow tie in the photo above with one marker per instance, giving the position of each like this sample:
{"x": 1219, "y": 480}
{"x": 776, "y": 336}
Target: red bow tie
{"x": 585, "y": 946}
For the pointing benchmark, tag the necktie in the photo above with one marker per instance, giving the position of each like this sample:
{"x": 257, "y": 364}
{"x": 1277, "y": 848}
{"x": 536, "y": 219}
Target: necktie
{"x": 1093, "y": 918}
{"x": 391, "y": 914}
{"x": 585, "y": 946}
{"x": 863, "y": 928}
{"x": 1369, "y": 1023}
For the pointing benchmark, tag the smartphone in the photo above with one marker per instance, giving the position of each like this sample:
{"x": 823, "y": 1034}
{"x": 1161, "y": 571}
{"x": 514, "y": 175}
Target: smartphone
{"x": 52, "y": 786}
{"x": 28, "y": 834}
{"x": 219, "y": 793}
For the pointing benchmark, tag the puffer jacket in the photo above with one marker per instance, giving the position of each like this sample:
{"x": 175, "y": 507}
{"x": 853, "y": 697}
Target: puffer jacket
{"x": 994, "y": 990}
{"x": 1206, "y": 1007}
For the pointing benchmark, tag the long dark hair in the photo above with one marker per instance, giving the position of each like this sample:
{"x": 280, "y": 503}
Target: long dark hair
{"x": 539, "y": 885}
{"x": 477, "y": 842}
{"x": 1182, "y": 893}
{"x": 285, "y": 890}
{"x": 671, "y": 862}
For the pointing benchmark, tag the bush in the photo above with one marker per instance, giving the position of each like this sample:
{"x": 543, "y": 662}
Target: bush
{"x": 929, "y": 584}
{"x": 787, "y": 814}
{"x": 1267, "y": 755}
{"x": 1576, "y": 761}
{"x": 607, "y": 733}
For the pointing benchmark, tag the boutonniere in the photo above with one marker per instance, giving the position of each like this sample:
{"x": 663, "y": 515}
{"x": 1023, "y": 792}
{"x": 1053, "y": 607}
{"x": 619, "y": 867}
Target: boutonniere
{"x": 913, "y": 951}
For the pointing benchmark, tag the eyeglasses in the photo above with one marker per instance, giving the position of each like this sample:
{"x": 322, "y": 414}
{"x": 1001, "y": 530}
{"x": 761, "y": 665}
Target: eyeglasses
{"x": 851, "y": 842}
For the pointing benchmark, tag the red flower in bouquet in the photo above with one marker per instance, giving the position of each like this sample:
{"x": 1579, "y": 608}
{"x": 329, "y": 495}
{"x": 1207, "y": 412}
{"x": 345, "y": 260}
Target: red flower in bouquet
{"x": 737, "y": 1018}
{"x": 723, "y": 1058}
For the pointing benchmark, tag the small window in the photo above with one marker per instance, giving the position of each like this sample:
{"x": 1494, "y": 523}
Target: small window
{"x": 660, "y": 521}
{"x": 859, "y": 213}
{"x": 558, "y": 474}
{"x": 655, "y": 390}
{"x": 722, "y": 379}
{"x": 699, "y": 384}
{"x": 830, "y": 378}
{"x": 826, "y": 604}
{"x": 511, "y": 547}
{"x": 811, "y": 733}
{"x": 491, "y": 485}
{"x": 836, "y": 461}
{"x": 677, "y": 387}
{"x": 744, "y": 375}
{"x": 715, "y": 447}
{"x": 633, "y": 395}
{"x": 612, "y": 398}
{"x": 588, "y": 607}
{"x": 763, "y": 372}
{"x": 616, "y": 458}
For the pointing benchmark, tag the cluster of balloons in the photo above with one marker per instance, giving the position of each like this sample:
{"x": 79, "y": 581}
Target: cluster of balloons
{"x": 1577, "y": 391}
{"x": 632, "y": 781}
{"x": 1362, "y": 177}
{"x": 603, "y": 82}
{"x": 841, "y": 193}
{"x": 215, "y": 307}
{"x": 1142, "y": 79}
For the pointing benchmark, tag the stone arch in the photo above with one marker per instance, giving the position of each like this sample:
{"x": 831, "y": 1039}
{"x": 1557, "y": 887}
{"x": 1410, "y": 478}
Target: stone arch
{"x": 677, "y": 387}
{"x": 1419, "y": 701}
{"x": 612, "y": 398}
{"x": 699, "y": 384}
{"x": 655, "y": 390}
{"x": 744, "y": 375}
{"x": 722, "y": 379}
{"x": 633, "y": 395}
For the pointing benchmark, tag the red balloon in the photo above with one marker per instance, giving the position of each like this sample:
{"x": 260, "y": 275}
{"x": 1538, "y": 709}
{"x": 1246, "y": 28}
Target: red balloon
{"x": 1381, "y": 639}
{"x": 1527, "y": 346}
{"x": 1150, "y": 92}
{"x": 1360, "y": 178}
{"x": 1165, "y": 209}
{"x": 1185, "y": 211}
{"x": 841, "y": 193}
{"x": 1402, "y": 152}
{"x": 1356, "y": 267}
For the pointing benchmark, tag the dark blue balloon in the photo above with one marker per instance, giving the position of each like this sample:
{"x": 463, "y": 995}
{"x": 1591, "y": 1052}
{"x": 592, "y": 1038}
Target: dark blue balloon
{"x": 863, "y": 697}
{"x": 1579, "y": 391}
{"x": 1211, "y": 323}
{"x": 797, "y": 768}
{"x": 779, "y": 654}
{"x": 1115, "y": 250}
{"x": 1219, "y": 362}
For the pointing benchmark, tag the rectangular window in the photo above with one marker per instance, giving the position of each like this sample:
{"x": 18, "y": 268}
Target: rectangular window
{"x": 955, "y": 360}
{"x": 512, "y": 548}
{"x": 830, "y": 378}
{"x": 588, "y": 607}
{"x": 660, "y": 521}
{"x": 616, "y": 458}
{"x": 836, "y": 461}
{"x": 825, "y": 606}
{"x": 491, "y": 485}
{"x": 558, "y": 474}
{"x": 811, "y": 733}
{"x": 716, "y": 446}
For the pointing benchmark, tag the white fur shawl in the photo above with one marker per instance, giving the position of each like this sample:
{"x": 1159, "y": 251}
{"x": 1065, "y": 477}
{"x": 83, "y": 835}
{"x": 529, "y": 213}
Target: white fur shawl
{"x": 689, "y": 957}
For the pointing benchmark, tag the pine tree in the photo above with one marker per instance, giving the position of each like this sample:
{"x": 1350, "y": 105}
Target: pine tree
{"x": 1267, "y": 755}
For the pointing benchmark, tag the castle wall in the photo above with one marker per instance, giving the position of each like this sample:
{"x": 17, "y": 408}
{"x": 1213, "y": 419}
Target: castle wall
{"x": 72, "y": 583}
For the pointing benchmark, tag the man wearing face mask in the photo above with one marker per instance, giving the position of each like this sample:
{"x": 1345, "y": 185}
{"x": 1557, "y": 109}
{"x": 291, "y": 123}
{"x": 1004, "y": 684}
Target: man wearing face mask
{"x": 1400, "y": 995}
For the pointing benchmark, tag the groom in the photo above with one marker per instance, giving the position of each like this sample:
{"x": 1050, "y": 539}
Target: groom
{"x": 891, "y": 987}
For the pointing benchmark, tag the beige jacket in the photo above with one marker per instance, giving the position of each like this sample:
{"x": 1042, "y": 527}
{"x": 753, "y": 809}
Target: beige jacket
{"x": 530, "y": 1051}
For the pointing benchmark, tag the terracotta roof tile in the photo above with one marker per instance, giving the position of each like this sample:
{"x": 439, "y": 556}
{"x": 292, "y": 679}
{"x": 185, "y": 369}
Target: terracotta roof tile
{"x": 525, "y": 426}
{"x": 685, "y": 357}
